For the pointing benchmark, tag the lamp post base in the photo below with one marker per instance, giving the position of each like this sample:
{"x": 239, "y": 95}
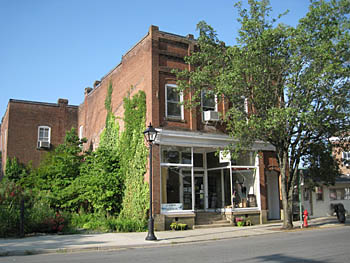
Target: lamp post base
{"x": 150, "y": 235}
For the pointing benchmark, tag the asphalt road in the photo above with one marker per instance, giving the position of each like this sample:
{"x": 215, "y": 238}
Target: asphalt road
{"x": 317, "y": 245}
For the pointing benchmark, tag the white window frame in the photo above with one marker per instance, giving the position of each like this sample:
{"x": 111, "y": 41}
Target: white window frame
{"x": 173, "y": 86}
{"x": 215, "y": 100}
{"x": 81, "y": 132}
{"x": 49, "y": 134}
{"x": 346, "y": 158}
{"x": 246, "y": 105}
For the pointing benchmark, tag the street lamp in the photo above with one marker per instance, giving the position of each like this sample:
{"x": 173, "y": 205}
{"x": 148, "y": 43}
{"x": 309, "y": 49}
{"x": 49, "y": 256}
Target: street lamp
{"x": 150, "y": 135}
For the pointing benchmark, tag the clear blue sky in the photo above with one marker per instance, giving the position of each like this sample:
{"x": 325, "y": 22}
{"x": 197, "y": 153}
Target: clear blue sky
{"x": 52, "y": 49}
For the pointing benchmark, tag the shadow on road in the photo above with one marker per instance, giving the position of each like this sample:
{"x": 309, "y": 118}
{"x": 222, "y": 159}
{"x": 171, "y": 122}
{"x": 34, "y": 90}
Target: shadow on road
{"x": 284, "y": 258}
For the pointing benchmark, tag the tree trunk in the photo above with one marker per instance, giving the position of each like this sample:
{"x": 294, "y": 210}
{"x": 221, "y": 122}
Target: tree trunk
{"x": 287, "y": 201}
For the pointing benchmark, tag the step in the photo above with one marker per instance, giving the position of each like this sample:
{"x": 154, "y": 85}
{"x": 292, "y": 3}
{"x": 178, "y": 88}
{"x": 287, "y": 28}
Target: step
{"x": 228, "y": 224}
{"x": 207, "y": 222}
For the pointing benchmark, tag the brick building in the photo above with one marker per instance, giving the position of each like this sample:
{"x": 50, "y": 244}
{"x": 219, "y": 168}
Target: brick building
{"x": 29, "y": 129}
{"x": 320, "y": 201}
{"x": 189, "y": 178}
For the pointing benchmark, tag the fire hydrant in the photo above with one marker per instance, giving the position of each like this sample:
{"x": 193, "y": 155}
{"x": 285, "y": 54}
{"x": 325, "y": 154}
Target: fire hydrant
{"x": 306, "y": 214}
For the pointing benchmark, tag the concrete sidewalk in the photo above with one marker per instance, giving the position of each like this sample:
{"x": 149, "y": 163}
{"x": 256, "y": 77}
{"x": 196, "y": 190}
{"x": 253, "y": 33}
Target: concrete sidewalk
{"x": 111, "y": 241}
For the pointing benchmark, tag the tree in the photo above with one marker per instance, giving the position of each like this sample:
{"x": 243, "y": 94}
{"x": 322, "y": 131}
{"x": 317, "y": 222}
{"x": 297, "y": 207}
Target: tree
{"x": 14, "y": 170}
{"x": 58, "y": 170}
{"x": 100, "y": 185}
{"x": 295, "y": 81}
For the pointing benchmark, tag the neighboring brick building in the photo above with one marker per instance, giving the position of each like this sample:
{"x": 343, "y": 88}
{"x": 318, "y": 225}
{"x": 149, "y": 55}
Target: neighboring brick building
{"x": 29, "y": 129}
{"x": 320, "y": 200}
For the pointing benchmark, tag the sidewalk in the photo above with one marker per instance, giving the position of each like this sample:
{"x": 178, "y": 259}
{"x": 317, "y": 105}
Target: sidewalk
{"x": 111, "y": 241}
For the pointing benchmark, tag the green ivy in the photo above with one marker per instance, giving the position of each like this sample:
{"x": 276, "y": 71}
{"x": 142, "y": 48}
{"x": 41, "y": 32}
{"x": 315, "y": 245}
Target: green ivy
{"x": 101, "y": 183}
{"x": 134, "y": 159}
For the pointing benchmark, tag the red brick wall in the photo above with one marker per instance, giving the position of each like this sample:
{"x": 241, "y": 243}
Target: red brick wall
{"x": 130, "y": 76}
{"x": 23, "y": 119}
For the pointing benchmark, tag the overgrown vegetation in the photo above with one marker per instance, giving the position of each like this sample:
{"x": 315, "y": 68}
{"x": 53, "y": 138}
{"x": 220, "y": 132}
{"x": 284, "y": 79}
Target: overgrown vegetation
{"x": 133, "y": 160}
{"x": 102, "y": 190}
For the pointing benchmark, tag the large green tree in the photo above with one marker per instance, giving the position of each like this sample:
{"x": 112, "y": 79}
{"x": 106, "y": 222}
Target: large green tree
{"x": 57, "y": 171}
{"x": 295, "y": 81}
{"x": 100, "y": 186}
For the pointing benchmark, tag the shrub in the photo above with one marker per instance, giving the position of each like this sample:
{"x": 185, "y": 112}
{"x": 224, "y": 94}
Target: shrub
{"x": 130, "y": 225}
{"x": 178, "y": 226}
{"x": 38, "y": 216}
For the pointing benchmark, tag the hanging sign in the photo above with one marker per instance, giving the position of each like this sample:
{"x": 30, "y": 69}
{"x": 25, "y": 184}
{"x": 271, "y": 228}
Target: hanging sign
{"x": 224, "y": 157}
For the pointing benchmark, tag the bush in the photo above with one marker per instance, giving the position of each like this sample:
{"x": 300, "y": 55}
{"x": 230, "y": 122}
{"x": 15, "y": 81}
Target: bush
{"x": 10, "y": 197}
{"x": 130, "y": 225}
{"x": 97, "y": 222}
{"x": 38, "y": 216}
{"x": 92, "y": 222}
{"x": 178, "y": 226}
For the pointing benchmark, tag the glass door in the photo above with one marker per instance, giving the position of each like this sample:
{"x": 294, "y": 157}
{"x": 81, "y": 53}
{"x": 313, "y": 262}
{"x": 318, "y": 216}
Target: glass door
{"x": 199, "y": 191}
{"x": 215, "y": 193}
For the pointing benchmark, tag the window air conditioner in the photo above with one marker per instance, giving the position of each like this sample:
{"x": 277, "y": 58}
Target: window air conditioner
{"x": 42, "y": 144}
{"x": 211, "y": 115}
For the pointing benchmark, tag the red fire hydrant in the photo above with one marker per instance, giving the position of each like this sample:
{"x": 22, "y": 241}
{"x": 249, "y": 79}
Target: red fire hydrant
{"x": 306, "y": 214}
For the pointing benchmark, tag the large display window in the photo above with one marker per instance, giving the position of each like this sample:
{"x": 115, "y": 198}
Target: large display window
{"x": 195, "y": 179}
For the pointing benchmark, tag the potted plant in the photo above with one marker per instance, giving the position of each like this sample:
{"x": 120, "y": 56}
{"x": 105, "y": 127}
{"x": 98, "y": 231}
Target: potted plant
{"x": 239, "y": 221}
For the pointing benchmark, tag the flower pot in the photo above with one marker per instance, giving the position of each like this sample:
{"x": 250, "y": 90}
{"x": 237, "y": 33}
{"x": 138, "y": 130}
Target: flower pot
{"x": 240, "y": 223}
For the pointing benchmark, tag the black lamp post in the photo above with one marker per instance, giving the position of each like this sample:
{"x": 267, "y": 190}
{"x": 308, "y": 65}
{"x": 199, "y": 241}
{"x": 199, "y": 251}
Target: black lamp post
{"x": 150, "y": 135}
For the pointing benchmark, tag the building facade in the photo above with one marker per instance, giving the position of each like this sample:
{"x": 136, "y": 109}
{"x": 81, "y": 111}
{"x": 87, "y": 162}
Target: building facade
{"x": 29, "y": 129}
{"x": 320, "y": 201}
{"x": 188, "y": 174}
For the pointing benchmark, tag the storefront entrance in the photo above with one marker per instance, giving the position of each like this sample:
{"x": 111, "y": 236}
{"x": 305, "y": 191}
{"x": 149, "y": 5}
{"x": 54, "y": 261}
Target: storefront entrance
{"x": 211, "y": 189}
{"x": 199, "y": 192}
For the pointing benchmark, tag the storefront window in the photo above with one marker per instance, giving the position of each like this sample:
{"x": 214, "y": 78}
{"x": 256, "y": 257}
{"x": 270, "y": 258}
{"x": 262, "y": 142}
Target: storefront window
{"x": 338, "y": 193}
{"x": 245, "y": 159}
{"x": 198, "y": 159}
{"x": 176, "y": 154}
{"x": 227, "y": 188}
{"x": 176, "y": 189}
{"x": 244, "y": 188}
{"x": 213, "y": 160}
{"x": 206, "y": 183}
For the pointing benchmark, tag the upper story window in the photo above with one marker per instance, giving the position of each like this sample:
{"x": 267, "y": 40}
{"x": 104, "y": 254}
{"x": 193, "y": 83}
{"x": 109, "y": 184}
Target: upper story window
{"x": 346, "y": 158}
{"x": 246, "y": 105}
{"x": 173, "y": 104}
{"x": 81, "y": 132}
{"x": 44, "y": 137}
{"x": 209, "y": 101}
{"x": 209, "y": 106}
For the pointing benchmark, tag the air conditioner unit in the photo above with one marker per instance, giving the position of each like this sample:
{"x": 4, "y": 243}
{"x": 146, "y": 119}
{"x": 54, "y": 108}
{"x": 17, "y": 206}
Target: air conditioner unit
{"x": 211, "y": 115}
{"x": 42, "y": 144}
